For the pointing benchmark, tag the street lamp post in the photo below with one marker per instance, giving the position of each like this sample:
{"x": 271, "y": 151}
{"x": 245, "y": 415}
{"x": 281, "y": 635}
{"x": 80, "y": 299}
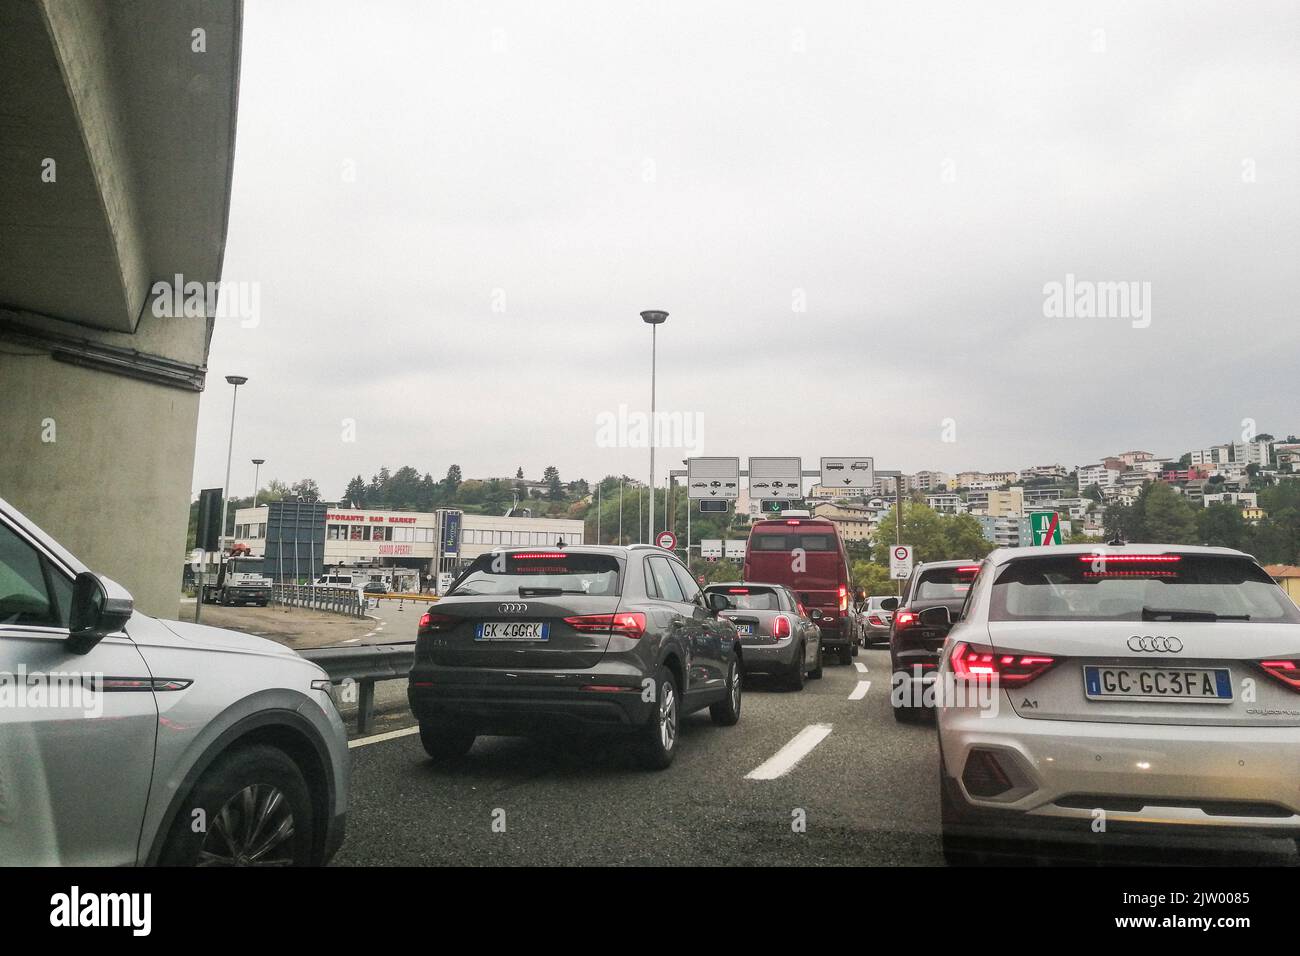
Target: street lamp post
{"x": 653, "y": 318}
{"x": 257, "y": 471}
{"x": 235, "y": 380}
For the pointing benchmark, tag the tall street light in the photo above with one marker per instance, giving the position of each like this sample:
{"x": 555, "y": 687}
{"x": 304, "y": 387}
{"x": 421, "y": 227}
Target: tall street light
{"x": 257, "y": 470}
{"x": 235, "y": 380}
{"x": 653, "y": 318}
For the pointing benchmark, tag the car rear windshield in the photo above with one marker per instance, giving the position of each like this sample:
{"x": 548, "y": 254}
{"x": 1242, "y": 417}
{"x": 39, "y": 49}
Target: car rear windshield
{"x": 750, "y": 598}
{"x": 539, "y": 573}
{"x": 941, "y": 584}
{"x": 782, "y": 541}
{"x": 1136, "y": 587}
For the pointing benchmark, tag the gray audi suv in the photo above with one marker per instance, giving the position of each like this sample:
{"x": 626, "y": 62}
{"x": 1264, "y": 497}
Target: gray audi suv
{"x": 574, "y": 640}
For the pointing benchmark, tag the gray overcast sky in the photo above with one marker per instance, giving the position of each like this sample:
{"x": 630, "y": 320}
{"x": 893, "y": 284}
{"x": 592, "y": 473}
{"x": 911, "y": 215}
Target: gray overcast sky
{"x": 915, "y": 172}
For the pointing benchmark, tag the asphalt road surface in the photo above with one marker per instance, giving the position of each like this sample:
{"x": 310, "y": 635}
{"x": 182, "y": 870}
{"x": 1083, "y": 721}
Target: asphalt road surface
{"x": 865, "y": 793}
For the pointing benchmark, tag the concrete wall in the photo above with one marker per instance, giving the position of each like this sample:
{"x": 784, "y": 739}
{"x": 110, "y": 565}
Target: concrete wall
{"x": 113, "y": 487}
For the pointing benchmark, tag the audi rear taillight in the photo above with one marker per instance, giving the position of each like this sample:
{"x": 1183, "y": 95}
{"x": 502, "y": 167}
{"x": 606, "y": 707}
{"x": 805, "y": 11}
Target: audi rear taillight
{"x": 781, "y": 627}
{"x": 975, "y": 662}
{"x": 431, "y": 622}
{"x": 1285, "y": 671}
{"x": 625, "y": 623}
{"x": 844, "y": 598}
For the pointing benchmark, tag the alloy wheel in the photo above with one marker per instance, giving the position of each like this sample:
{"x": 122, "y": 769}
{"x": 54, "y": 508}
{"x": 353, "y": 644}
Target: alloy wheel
{"x": 255, "y": 827}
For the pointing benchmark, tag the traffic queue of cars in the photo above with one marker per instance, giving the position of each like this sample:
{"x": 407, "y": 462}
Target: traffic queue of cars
{"x": 1126, "y": 688}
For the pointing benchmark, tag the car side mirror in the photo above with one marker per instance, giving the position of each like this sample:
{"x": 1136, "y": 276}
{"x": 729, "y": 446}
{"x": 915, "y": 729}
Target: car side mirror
{"x": 935, "y": 617}
{"x": 100, "y": 607}
{"x": 860, "y": 595}
{"x": 889, "y": 604}
{"x": 717, "y": 602}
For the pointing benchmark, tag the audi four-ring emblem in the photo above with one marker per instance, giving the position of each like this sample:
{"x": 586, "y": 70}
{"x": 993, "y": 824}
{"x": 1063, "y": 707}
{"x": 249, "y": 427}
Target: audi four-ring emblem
{"x": 1171, "y": 645}
{"x": 512, "y": 608}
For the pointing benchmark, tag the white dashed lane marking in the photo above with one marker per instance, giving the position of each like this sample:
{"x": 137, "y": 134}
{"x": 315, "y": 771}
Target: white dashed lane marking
{"x": 862, "y": 668}
{"x": 380, "y": 738}
{"x": 784, "y": 760}
{"x": 860, "y": 691}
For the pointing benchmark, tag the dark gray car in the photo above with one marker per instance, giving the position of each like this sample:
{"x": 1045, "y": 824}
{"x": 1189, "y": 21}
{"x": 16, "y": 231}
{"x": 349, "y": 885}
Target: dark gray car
{"x": 777, "y": 635}
{"x": 608, "y": 640}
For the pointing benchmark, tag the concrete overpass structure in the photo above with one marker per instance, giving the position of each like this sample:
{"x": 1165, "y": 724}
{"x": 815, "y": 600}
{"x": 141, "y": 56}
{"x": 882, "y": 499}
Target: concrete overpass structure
{"x": 117, "y": 136}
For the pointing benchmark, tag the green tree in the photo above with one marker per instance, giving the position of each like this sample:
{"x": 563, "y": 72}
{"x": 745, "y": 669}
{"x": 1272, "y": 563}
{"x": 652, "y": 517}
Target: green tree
{"x": 469, "y": 492}
{"x": 496, "y": 495}
{"x": 933, "y": 536}
{"x": 306, "y": 488}
{"x": 1167, "y": 517}
{"x": 275, "y": 490}
{"x": 965, "y": 537}
{"x": 377, "y": 490}
{"x": 403, "y": 488}
{"x": 872, "y": 577}
{"x": 428, "y": 493}
{"x": 554, "y": 487}
{"x": 921, "y": 529}
{"x": 356, "y": 492}
{"x": 452, "y": 482}
{"x": 1222, "y": 525}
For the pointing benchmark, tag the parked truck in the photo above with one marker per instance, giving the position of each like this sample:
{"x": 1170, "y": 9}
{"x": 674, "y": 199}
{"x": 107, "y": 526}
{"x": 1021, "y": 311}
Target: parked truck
{"x": 239, "y": 581}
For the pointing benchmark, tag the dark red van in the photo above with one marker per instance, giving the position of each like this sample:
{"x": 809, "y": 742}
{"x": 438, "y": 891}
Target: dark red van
{"x": 808, "y": 557}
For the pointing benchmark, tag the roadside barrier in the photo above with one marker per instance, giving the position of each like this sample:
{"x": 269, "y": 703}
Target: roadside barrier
{"x": 363, "y": 665}
{"x": 335, "y": 600}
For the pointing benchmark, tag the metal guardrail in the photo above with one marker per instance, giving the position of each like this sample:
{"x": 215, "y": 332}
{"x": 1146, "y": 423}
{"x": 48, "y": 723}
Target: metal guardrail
{"x": 337, "y": 600}
{"x": 363, "y": 665}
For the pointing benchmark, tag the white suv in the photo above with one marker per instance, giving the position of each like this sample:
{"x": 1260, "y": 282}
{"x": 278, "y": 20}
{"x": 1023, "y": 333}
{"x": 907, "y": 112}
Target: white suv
{"x": 1088, "y": 692}
{"x": 125, "y": 739}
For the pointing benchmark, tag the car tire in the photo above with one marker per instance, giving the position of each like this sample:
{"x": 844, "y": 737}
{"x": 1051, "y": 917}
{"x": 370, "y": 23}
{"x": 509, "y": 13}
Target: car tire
{"x": 658, "y": 743}
{"x": 445, "y": 741}
{"x": 959, "y": 849}
{"x": 260, "y": 781}
{"x": 855, "y": 648}
{"x": 794, "y": 680}
{"x": 816, "y": 672}
{"x": 726, "y": 712}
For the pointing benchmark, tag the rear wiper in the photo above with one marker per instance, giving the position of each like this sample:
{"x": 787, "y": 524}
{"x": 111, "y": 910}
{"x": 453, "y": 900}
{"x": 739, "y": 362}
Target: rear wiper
{"x": 1160, "y": 614}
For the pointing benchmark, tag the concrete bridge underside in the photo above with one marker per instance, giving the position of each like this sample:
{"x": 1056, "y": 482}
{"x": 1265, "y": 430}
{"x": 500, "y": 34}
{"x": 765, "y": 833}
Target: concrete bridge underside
{"x": 117, "y": 136}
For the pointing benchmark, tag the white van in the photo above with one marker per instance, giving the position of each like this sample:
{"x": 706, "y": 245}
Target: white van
{"x": 335, "y": 581}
